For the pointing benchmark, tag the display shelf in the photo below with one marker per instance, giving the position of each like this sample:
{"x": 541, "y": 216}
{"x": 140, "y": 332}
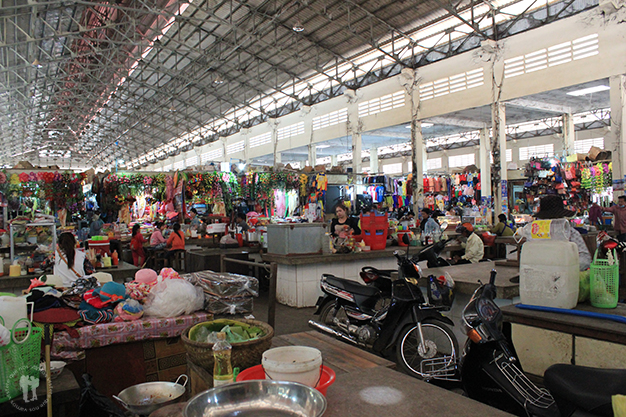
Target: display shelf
{"x": 16, "y": 249}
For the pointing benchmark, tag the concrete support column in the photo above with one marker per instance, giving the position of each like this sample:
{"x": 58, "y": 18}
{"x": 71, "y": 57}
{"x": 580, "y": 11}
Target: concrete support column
{"x": 569, "y": 134}
{"x": 419, "y": 159}
{"x": 312, "y": 154}
{"x": 485, "y": 164}
{"x": 333, "y": 160}
{"x": 354, "y": 127}
{"x": 498, "y": 121}
{"x": 357, "y": 160}
{"x": 615, "y": 140}
{"x": 273, "y": 124}
{"x": 307, "y": 118}
{"x": 373, "y": 160}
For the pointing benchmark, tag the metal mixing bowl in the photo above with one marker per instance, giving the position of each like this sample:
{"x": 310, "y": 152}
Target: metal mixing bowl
{"x": 262, "y": 398}
{"x": 145, "y": 398}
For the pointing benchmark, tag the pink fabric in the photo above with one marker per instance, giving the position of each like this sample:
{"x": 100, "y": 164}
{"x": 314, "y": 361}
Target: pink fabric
{"x": 156, "y": 238}
{"x": 64, "y": 347}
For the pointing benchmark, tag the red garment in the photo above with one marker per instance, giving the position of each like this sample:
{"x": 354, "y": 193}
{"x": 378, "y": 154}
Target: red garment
{"x": 175, "y": 242}
{"x": 94, "y": 300}
{"x": 136, "y": 247}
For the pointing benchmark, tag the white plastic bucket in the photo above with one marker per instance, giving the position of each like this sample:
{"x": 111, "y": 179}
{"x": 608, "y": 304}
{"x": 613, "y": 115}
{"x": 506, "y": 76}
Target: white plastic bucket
{"x": 301, "y": 364}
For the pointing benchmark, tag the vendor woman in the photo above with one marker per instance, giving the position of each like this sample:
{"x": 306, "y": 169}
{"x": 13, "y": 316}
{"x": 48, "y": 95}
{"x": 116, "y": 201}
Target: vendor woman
{"x": 339, "y": 224}
{"x": 136, "y": 246}
{"x": 70, "y": 264}
{"x": 176, "y": 241}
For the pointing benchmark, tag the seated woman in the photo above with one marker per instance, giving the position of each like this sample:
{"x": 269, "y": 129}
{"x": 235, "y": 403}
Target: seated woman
{"x": 70, "y": 264}
{"x": 157, "y": 241}
{"x": 176, "y": 241}
{"x": 136, "y": 246}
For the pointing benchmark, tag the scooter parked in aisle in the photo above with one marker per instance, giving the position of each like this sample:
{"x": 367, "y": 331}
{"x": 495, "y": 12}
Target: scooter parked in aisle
{"x": 424, "y": 345}
{"x": 491, "y": 373}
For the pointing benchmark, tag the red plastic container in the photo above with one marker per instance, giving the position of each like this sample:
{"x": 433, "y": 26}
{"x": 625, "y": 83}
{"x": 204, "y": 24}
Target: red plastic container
{"x": 257, "y": 372}
{"x": 374, "y": 229}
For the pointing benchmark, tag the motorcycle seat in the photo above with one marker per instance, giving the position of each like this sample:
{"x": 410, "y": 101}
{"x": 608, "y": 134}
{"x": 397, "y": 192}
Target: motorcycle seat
{"x": 380, "y": 272}
{"x": 576, "y": 388}
{"x": 351, "y": 286}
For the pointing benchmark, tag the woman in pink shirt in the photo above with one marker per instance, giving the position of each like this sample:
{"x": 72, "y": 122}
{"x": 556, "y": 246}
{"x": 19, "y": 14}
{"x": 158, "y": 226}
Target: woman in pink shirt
{"x": 157, "y": 241}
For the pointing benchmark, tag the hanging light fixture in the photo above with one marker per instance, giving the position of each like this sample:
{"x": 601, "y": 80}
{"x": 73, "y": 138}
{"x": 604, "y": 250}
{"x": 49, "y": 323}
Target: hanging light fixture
{"x": 218, "y": 80}
{"x": 297, "y": 26}
{"x": 37, "y": 64}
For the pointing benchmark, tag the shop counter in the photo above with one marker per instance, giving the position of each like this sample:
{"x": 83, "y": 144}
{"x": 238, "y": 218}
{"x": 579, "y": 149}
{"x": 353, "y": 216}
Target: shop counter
{"x": 382, "y": 391}
{"x": 72, "y": 345}
{"x": 17, "y": 284}
{"x": 203, "y": 259}
{"x": 368, "y": 386}
{"x": 298, "y": 276}
{"x": 121, "y": 354}
{"x": 543, "y": 339}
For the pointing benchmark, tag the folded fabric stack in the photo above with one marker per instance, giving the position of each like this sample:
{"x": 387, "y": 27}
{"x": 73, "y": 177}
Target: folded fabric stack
{"x": 226, "y": 293}
{"x": 98, "y": 304}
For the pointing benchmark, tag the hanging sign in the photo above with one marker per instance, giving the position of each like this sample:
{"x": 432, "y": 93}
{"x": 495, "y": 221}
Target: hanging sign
{"x": 505, "y": 192}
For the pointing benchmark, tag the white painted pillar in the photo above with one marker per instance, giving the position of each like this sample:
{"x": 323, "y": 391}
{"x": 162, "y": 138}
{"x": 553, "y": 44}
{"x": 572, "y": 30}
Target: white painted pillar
{"x": 357, "y": 160}
{"x": 419, "y": 159}
{"x": 484, "y": 152}
{"x": 615, "y": 140}
{"x": 374, "y": 160}
{"x": 307, "y": 118}
{"x": 569, "y": 134}
{"x": 273, "y": 124}
{"x": 354, "y": 128}
{"x": 498, "y": 120}
{"x": 312, "y": 154}
{"x": 333, "y": 161}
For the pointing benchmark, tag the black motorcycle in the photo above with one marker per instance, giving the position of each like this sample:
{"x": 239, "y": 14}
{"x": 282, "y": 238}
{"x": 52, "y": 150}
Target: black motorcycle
{"x": 491, "y": 373}
{"x": 424, "y": 345}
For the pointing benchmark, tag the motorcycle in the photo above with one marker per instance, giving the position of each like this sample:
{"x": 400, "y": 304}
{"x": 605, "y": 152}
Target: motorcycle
{"x": 424, "y": 345}
{"x": 491, "y": 373}
{"x": 381, "y": 278}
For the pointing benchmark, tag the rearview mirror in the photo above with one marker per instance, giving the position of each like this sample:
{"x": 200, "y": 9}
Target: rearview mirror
{"x": 405, "y": 238}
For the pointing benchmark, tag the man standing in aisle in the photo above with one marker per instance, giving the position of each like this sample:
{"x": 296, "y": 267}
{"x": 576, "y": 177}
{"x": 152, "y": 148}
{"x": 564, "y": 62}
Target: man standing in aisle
{"x": 619, "y": 217}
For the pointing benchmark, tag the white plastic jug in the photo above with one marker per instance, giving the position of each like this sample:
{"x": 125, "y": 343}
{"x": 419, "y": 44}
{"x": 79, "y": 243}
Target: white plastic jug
{"x": 12, "y": 309}
{"x": 301, "y": 364}
{"x": 553, "y": 229}
{"x": 549, "y": 273}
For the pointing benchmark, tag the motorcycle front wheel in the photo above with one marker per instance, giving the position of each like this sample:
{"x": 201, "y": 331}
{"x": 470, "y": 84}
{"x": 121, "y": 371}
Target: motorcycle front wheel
{"x": 434, "y": 357}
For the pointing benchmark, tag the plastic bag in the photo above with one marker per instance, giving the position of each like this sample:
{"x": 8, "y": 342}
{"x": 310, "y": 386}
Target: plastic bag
{"x": 224, "y": 284}
{"x": 584, "y": 288}
{"x": 619, "y": 405}
{"x": 235, "y": 305}
{"x": 172, "y": 298}
{"x": 94, "y": 404}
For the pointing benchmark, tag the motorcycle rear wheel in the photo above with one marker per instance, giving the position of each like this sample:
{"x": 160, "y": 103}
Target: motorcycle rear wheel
{"x": 435, "y": 358}
{"x": 328, "y": 314}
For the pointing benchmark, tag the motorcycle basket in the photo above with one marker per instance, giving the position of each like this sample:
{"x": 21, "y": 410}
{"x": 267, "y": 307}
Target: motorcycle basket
{"x": 440, "y": 291}
{"x": 403, "y": 290}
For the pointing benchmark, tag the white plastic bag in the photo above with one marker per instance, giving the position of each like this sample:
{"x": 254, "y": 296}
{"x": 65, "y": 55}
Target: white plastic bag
{"x": 174, "y": 297}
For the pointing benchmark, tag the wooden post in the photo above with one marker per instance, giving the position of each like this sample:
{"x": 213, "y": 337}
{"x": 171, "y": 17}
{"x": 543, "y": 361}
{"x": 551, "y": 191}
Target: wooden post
{"x": 271, "y": 307}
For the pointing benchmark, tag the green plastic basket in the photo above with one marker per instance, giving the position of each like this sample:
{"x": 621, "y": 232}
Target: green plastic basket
{"x": 20, "y": 358}
{"x": 604, "y": 282}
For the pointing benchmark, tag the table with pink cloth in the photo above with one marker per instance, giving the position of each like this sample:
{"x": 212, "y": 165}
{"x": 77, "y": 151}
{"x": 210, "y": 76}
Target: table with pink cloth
{"x": 66, "y": 347}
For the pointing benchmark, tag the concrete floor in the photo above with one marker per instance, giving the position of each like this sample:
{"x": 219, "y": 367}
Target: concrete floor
{"x": 288, "y": 319}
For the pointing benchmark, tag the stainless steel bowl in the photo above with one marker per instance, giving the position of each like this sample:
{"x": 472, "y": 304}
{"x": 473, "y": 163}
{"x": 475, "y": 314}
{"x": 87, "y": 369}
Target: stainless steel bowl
{"x": 262, "y": 398}
{"x": 145, "y": 398}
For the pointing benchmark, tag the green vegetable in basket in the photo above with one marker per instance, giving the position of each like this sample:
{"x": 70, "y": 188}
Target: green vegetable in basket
{"x": 584, "y": 286}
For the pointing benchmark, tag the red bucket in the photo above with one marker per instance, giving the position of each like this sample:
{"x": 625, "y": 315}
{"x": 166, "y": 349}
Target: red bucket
{"x": 257, "y": 372}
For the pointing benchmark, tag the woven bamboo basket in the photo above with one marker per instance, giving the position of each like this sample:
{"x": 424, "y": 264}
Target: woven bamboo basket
{"x": 244, "y": 354}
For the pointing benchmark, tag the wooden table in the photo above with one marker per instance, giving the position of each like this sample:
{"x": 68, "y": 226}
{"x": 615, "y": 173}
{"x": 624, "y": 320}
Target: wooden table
{"x": 466, "y": 277}
{"x": 609, "y": 331}
{"x": 381, "y": 391}
{"x": 339, "y": 356}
